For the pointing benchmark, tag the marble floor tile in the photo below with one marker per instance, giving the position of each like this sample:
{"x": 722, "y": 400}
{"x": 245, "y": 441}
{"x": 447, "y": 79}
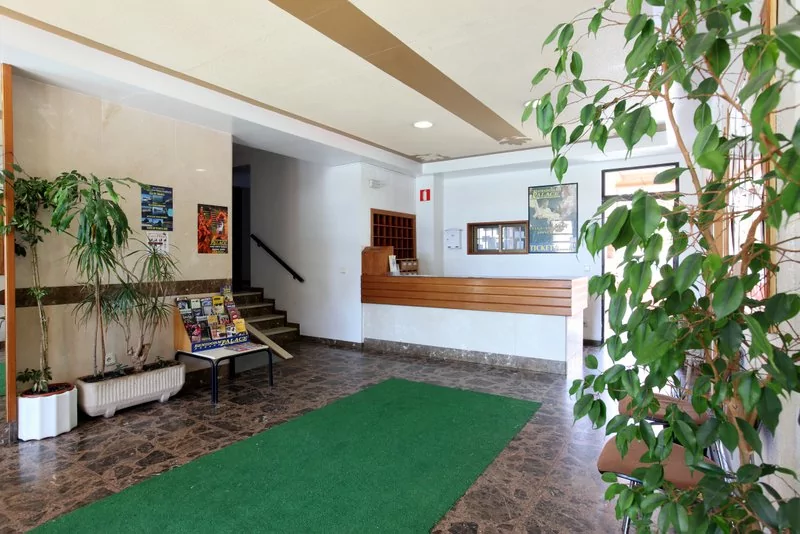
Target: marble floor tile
{"x": 543, "y": 481}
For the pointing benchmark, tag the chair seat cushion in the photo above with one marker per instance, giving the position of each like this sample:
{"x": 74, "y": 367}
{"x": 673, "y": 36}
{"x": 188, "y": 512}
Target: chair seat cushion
{"x": 661, "y": 414}
{"x": 675, "y": 469}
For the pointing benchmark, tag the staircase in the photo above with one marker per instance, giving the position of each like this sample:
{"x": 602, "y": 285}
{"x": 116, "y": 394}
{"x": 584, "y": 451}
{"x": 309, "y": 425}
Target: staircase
{"x": 261, "y": 313}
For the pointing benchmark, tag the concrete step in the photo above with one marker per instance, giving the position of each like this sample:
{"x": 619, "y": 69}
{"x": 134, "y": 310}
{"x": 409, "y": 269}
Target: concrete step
{"x": 247, "y": 297}
{"x": 267, "y": 321}
{"x": 258, "y": 309}
{"x": 281, "y": 334}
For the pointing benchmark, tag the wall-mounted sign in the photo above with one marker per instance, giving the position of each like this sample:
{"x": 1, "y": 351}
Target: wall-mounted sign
{"x": 159, "y": 240}
{"x": 424, "y": 195}
{"x": 553, "y": 218}
{"x": 156, "y": 207}
{"x": 212, "y": 229}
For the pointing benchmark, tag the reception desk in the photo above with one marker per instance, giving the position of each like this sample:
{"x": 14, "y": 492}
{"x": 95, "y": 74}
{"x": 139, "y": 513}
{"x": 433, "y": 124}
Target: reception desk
{"x": 531, "y": 323}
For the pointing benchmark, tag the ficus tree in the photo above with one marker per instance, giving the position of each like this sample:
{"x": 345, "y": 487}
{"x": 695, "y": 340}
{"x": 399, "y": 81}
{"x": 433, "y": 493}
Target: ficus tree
{"x": 31, "y": 200}
{"x": 102, "y": 231}
{"x": 687, "y": 292}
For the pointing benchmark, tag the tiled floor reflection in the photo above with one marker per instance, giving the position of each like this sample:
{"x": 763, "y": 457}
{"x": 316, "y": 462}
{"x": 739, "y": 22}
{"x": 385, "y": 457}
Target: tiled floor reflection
{"x": 544, "y": 481}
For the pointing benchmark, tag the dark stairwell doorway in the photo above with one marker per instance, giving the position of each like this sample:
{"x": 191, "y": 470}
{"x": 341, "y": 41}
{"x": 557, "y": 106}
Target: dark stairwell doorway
{"x": 240, "y": 229}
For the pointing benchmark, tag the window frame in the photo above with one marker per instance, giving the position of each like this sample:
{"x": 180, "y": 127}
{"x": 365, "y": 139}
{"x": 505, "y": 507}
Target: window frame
{"x": 472, "y": 248}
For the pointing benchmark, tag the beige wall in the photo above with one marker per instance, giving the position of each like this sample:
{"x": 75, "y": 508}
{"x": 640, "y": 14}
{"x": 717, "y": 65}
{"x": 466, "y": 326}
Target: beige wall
{"x": 57, "y": 130}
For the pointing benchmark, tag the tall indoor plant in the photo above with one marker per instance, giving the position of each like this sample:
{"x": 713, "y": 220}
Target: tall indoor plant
{"x": 102, "y": 231}
{"x": 138, "y": 304}
{"x": 45, "y": 409}
{"x": 715, "y": 57}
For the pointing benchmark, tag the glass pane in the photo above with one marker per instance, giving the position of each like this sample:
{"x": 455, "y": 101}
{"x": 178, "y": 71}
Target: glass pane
{"x": 487, "y": 238}
{"x": 514, "y": 237}
{"x": 628, "y": 181}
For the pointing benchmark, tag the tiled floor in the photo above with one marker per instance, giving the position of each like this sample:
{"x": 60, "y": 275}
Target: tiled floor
{"x": 544, "y": 481}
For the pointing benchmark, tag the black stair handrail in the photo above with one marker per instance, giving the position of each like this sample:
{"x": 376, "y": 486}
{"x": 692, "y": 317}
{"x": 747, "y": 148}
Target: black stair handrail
{"x": 277, "y": 258}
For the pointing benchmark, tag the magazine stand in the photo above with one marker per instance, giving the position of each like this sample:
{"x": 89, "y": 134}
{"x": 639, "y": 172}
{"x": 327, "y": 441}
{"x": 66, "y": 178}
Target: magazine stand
{"x": 215, "y": 352}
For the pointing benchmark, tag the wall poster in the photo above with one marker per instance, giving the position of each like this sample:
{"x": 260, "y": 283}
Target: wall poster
{"x": 156, "y": 207}
{"x": 553, "y": 218}
{"x": 159, "y": 240}
{"x": 212, "y": 229}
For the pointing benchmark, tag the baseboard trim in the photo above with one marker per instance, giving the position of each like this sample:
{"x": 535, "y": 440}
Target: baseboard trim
{"x": 335, "y": 343}
{"x": 379, "y": 346}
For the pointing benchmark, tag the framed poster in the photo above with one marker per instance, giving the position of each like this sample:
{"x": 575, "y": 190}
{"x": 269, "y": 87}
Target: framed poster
{"x": 553, "y": 218}
{"x": 159, "y": 240}
{"x": 212, "y": 229}
{"x": 156, "y": 207}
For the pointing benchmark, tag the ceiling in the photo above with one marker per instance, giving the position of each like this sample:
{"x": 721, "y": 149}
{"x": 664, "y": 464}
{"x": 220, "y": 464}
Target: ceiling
{"x": 366, "y": 68}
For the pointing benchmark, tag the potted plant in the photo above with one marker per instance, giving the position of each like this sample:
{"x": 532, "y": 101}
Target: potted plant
{"x": 715, "y": 61}
{"x": 139, "y": 303}
{"x": 45, "y": 409}
{"x": 102, "y": 231}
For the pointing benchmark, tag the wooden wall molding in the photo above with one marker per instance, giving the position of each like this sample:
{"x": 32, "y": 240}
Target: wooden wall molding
{"x": 561, "y": 297}
{"x": 61, "y": 295}
{"x": 6, "y": 93}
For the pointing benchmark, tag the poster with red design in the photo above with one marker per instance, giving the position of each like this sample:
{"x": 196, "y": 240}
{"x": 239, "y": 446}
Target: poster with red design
{"x": 212, "y": 229}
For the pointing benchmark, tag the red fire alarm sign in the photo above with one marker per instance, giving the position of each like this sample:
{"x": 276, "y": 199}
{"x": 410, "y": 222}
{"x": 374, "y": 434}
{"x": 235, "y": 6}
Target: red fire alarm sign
{"x": 424, "y": 195}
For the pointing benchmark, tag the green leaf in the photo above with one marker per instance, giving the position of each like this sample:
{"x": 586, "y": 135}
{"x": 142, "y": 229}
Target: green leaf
{"x": 653, "y": 248}
{"x": 759, "y": 344}
{"x": 587, "y": 114}
{"x": 698, "y": 45}
{"x": 527, "y": 111}
{"x": 582, "y": 407}
{"x": 707, "y": 139}
{"x": 728, "y": 435}
{"x": 611, "y": 228}
{"x": 565, "y": 36}
{"x": 755, "y": 84}
{"x": 579, "y": 85}
{"x": 558, "y": 138}
{"x": 594, "y": 24}
{"x": 714, "y": 161}
{"x": 728, "y": 296}
{"x": 603, "y": 92}
{"x": 635, "y": 26}
{"x": 645, "y": 216}
{"x": 762, "y": 507}
{"x": 731, "y": 338}
{"x": 545, "y": 117}
{"x": 552, "y": 35}
{"x": 769, "y": 409}
{"x": 576, "y": 133}
{"x": 685, "y": 435}
{"x": 749, "y": 390}
{"x": 561, "y": 99}
{"x": 634, "y": 7}
{"x": 576, "y": 65}
{"x": 560, "y": 167}
{"x": 670, "y": 175}
{"x": 702, "y": 116}
{"x": 648, "y": 436}
{"x": 750, "y": 435}
{"x": 789, "y": 44}
{"x": 540, "y": 76}
{"x": 634, "y": 126}
{"x": 642, "y": 49}
{"x": 765, "y": 103}
{"x": 608, "y": 477}
{"x": 796, "y": 136}
{"x": 687, "y": 272}
{"x": 782, "y": 307}
{"x": 719, "y": 56}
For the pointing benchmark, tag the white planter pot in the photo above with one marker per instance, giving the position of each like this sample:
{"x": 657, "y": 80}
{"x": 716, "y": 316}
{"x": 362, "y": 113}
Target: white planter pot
{"x": 108, "y": 396}
{"x": 47, "y": 415}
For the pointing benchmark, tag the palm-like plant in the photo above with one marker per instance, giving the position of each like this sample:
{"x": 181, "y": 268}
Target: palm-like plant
{"x": 30, "y": 200}
{"x": 102, "y": 231}
{"x": 142, "y": 298}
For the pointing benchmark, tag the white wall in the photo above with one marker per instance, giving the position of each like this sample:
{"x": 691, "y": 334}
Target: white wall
{"x": 503, "y": 196}
{"x": 317, "y": 219}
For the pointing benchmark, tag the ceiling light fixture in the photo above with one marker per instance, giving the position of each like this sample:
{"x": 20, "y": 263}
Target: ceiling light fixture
{"x": 200, "y": 170}
{"x": 422, "y": 125}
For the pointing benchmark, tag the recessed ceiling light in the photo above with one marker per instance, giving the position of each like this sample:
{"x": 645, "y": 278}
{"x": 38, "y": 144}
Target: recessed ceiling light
{"x": 423, "y": 124}
{"x": 200, "y": 170}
